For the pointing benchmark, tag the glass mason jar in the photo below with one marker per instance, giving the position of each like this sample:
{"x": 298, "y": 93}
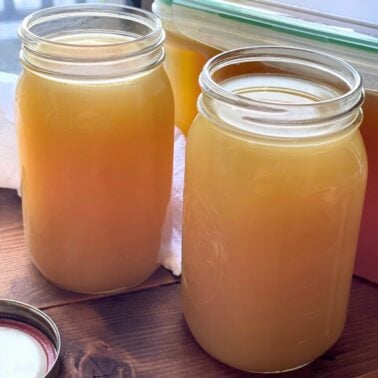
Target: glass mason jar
{"x": 95, "y": 119}
{"x": 274, "y": 188}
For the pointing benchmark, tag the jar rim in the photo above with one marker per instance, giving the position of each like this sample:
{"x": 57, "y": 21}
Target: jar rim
{"x": 263, "y": 52}
{"x": 278, "y": 118}
{"x": 27, "y": 35}
{"x": 125, "y": 40}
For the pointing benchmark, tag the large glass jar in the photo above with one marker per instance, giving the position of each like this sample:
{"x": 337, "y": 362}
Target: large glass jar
{"x": 95, "y": 128}
{"x": 274, "y": 188}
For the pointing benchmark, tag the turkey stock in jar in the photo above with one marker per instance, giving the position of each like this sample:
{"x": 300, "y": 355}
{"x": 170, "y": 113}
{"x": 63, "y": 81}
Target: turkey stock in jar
{"x": 275, "y": 181}
{"x": 95, "y": 129}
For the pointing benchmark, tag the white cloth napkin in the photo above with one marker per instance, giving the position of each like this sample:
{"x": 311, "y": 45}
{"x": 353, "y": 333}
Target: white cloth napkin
{"x": 170, "y": 248}
{"x": 9, "y": 167}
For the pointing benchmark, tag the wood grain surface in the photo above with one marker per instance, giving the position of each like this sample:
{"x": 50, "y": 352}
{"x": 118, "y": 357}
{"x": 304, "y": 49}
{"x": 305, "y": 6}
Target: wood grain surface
{"x": 20, "y": 280}
{"x": 142, "y": 333}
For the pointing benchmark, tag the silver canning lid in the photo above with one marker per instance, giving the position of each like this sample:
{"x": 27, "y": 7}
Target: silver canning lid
{"x": 29, "y": 341}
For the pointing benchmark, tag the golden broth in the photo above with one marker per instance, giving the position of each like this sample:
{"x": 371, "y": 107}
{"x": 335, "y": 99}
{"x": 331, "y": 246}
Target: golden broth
{"x": 184, "y": 62}
{"x": 96, "y": 163}
{"x": 270, "y": 233}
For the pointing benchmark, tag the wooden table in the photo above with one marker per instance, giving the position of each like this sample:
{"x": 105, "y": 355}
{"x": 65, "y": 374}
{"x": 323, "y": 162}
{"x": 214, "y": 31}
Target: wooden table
{"x": 142, "y": 333}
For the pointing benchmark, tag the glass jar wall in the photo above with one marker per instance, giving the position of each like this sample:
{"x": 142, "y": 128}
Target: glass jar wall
{"x": 274, "y": 188}
{"x": 95, "y": 129}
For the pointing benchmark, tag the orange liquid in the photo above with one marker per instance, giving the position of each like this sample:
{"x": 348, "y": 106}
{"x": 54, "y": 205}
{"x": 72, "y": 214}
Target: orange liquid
{"x": 367, "y": 256}
{"x": 96, "y": 177}
{"x": 184, "y": 62}
{"x": 270, "y": 233}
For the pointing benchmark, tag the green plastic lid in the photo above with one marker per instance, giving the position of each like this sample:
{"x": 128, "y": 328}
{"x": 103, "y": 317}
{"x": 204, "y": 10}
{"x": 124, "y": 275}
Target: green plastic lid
{"x": 352, "y": 24}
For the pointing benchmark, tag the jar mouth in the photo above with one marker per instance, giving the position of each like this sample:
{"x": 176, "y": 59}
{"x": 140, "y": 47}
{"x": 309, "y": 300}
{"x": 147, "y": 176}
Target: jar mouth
{"x": 90, "y": 33}
{"x": 340, "y": 93}
{"x": 33, "y": 27}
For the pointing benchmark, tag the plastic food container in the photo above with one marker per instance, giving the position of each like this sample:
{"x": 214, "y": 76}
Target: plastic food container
{"x": 95, "y": 130}
{"x": 349, "y": 32}
{"x": 184, "y": 61}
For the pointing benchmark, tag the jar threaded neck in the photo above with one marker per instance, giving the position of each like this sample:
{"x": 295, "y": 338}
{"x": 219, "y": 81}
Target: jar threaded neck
{"x": 91, "y": 41}
{"x": 337, "y": 106}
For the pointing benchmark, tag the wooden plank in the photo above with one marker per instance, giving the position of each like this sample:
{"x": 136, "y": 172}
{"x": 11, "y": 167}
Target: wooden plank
{"x": 20, "y": 280}
{"x": 143, "y": 334}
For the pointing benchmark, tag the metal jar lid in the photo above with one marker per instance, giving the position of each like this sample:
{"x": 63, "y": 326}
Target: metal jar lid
{"x": 29, "y": 341}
